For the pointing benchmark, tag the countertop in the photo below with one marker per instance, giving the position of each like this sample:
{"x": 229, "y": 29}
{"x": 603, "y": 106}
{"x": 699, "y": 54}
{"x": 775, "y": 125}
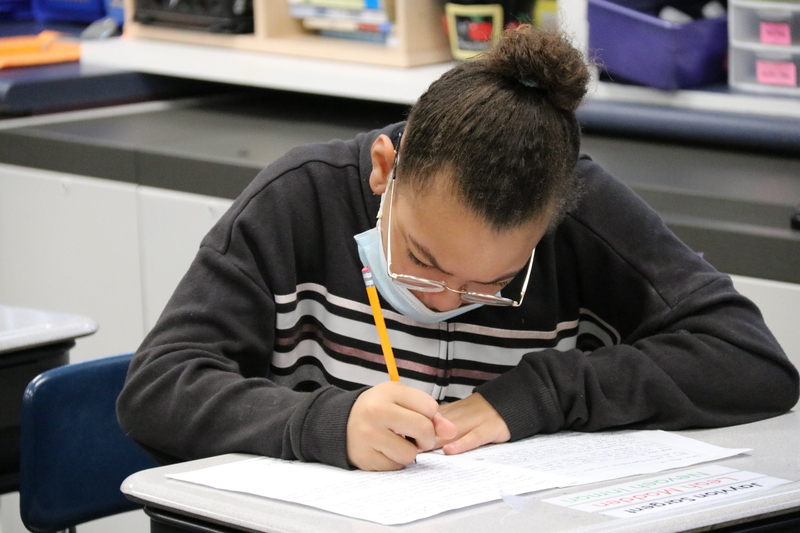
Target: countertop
{"x": 732, "y": 204}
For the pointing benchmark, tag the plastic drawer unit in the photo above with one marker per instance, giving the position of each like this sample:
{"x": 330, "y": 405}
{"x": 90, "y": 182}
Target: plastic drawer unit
{"x": 764, "y": 46}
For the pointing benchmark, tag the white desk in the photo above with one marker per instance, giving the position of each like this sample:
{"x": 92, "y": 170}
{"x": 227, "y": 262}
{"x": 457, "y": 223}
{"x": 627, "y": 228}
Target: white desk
{"x": 22, "y": 328}
{"x": 31, "y": 342}
{"x": 775, "y": 453}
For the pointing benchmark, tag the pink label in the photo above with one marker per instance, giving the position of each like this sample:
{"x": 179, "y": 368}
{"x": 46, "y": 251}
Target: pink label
{"x": 776, "y": 73}
{"x": 776, "y": 33}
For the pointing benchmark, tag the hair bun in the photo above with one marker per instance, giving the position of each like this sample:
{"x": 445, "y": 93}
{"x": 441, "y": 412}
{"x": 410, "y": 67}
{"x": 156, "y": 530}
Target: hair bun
{"x": 541, "y": 60}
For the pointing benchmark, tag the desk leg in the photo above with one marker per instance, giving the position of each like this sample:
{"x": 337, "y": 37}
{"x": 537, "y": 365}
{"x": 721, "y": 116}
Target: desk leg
{"x": 17, "y": 369}
{"x": 169, "y": 522}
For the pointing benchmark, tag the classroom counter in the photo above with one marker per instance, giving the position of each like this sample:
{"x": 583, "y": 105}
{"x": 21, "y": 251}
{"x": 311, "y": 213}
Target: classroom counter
{"x": 37, "y": 89}
{"x": 683, "y": 125}
{"x": 733, "y": 204}
{"x": 712, "y": 113}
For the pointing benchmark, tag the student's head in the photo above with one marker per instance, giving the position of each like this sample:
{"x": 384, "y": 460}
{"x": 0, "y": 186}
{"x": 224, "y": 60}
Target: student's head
{"x": 485, "y": 165}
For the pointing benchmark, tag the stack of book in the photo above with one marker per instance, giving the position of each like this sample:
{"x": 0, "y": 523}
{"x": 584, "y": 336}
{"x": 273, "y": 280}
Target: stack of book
{"x": 361, "y": 20}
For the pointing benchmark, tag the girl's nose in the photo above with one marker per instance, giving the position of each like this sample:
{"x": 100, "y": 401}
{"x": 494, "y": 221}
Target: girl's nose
{"x": 441, "y": 301}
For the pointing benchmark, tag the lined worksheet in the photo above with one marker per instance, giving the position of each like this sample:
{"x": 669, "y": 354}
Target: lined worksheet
{"x": 437, "y": 483}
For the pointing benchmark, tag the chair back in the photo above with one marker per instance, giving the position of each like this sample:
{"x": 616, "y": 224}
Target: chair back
{"x": 73, "y": 454}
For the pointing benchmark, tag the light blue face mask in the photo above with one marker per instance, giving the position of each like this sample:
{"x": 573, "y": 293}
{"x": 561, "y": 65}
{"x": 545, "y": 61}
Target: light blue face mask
{"x": 370, "y": 250}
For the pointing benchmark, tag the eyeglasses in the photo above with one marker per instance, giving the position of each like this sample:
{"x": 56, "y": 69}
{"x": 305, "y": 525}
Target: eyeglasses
{"x": 428, "y": 285}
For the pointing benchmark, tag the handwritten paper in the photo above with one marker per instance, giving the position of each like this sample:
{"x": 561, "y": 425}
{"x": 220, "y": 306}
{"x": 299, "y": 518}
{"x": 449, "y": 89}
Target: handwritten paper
{"x": 437, "y": 483}
{"x": 671, "y": 491}
{"x": 430, "y": 486}
{"x": 592, "y": 457}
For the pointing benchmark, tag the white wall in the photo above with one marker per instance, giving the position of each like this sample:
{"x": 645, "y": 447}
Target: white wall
{"x": 70, "y": 244}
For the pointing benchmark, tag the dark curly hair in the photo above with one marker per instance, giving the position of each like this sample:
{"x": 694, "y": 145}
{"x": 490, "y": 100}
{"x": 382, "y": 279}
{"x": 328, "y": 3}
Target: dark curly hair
{"x": 503, "y": 126}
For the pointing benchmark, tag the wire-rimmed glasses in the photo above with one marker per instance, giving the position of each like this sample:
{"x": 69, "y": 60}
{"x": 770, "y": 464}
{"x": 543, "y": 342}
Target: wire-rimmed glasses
{"x": 428, "y": 285}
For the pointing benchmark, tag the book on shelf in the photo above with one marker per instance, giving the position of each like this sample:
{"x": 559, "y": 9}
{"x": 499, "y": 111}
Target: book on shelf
{"x": 367, "y": 16}
{"x": 364, "y": 36}
{"x": 340, "y": 25}
{"x": 345, "y": 4}
{"x": 360, "y": 20}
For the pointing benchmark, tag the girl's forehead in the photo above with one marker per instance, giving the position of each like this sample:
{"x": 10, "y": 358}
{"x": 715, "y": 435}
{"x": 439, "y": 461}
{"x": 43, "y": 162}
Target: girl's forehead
{"x": 436, "y": 221}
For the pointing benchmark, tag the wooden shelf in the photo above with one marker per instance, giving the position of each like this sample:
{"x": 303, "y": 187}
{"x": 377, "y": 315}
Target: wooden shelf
{"x": 372, "y": 82}
{"x": 419, "y": 38}
{"x": 261, "y": 69}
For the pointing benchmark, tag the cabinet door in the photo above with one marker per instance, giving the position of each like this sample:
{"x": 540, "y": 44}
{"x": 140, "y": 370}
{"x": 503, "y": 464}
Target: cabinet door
{"x": 171, "y": 226}
{"x": 70, "y": 243}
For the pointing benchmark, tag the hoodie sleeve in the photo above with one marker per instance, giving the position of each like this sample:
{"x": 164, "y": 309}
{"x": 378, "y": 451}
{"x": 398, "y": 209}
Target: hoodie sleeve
{"x": 197, "y": 385}
{"x": 200, "y": 384}
{"x": 687, "y": 350}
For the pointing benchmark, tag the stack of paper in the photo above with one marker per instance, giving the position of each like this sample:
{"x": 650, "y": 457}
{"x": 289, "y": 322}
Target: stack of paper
{"x": 438, "y": 483}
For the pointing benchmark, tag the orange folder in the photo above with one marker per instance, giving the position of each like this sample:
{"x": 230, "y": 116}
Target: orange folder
{"x": 47, "y": 47}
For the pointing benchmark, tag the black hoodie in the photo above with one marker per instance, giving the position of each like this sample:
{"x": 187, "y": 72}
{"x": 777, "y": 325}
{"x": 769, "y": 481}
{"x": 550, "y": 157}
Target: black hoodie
{"x": 269, "y": 338}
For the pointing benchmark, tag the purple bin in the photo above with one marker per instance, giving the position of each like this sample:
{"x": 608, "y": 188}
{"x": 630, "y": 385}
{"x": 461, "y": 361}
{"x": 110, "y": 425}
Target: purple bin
{"x": 632, "y": 44}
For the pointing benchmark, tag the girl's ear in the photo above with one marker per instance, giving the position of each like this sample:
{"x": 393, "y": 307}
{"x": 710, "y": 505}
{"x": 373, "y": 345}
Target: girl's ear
{"x": 382, "y": 154}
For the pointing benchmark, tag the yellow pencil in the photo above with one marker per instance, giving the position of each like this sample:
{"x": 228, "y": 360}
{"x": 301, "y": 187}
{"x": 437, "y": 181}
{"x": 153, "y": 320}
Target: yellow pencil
{"x": 383, "y": 335}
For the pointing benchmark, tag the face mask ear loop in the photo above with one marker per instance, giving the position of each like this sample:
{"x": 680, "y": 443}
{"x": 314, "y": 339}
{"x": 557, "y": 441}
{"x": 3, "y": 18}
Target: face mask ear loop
{"x": 380, "y": 209}
{"x": 383, "y": 198}
{"x": 389, "y": 182}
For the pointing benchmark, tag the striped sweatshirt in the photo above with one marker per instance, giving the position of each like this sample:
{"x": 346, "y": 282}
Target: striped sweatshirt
{"x": 269, "y": 338}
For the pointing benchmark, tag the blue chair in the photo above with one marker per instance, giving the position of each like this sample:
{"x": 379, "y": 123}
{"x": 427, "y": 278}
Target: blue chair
{"x": 73, "y": 454}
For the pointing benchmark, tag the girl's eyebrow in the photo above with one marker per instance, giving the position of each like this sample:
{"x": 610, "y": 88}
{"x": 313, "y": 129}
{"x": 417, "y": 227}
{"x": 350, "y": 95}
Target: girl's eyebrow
{"x": 428, "y": 256}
